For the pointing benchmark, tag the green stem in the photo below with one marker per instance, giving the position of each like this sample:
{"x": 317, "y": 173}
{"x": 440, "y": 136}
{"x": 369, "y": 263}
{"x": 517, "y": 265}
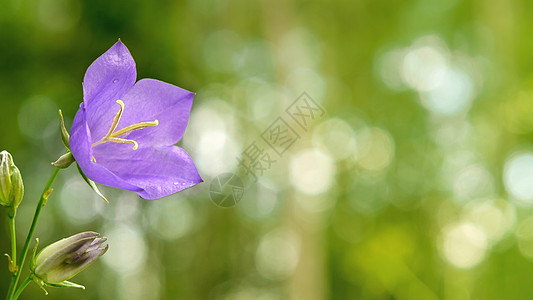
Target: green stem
{"x": 22, "y": 287}
{"x": 13, "y": 241}
{"x": 42, "y": 202}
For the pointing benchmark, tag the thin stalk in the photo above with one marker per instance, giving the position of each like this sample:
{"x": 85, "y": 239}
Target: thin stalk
{"x": 42, "y": 202}
{"x": 22, "y": 287}
{"x": 13, "y": 241}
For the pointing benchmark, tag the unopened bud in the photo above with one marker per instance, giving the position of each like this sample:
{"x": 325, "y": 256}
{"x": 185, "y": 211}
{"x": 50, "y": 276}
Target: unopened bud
{"x": 64, "y": 161}
{"x": 11, "y": 184}
{"x": 63, "y": 259}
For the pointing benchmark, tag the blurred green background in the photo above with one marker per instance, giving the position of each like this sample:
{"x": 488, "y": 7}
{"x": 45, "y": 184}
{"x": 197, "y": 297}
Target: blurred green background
{"x": 416, "y": 184}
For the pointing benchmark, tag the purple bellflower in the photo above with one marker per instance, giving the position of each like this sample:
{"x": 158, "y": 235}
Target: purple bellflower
{"x": 124, "y": 132}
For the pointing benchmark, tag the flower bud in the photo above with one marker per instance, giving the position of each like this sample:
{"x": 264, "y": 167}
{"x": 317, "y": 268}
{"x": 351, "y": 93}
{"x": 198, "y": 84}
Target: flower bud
{"x": 64, "y": 161}
{"x": 11, "y": 185}
{"x": 63, "y": 259}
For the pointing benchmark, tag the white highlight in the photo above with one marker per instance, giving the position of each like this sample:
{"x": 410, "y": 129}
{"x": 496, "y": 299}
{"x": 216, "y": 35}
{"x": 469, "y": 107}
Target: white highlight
{"x": 452, "y": 95}
{"x": 518, "y": 177}
{"x": 424, "y": 68}
{"x": 311, "y": 171}
{"x": 211, "y": 138}
{"x": 464, "y": 245}
{"x": 443, "y": 80}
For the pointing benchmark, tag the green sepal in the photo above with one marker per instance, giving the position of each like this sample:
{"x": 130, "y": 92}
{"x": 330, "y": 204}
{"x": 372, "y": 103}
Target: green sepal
{"x": 65, "y": 136}
{"x": 91, "y": 183}
{"x": 33, "y": 256}
{"x": 40, "y": 283}
{"x": 67, "y": 284}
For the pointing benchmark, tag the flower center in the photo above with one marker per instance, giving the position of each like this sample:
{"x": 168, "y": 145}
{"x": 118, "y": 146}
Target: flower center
{"x": 114, "y": 136}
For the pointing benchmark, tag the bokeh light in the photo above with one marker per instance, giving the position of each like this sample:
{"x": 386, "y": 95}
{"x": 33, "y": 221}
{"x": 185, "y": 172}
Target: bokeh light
{"x": 375, "y": 149}
{"x": 311, "y": 171}
{"x": 278, "y": 254}
{"x": 171, "y": 220}
{"x": 495, "y": 218}
{"x": 524, "y": 234}
{"x": 452, "y": 95}
{"x": 464, "y": 245}
{"x": 337, "y": 137}
{"x": 78, "y": 203}
{"x": 212, "y": 138}
{"x": 518, "y": 174}
{"x": 425, "y": 66}
{"x": 128, "y": 252}
{"x": 440, "y": 77}
{"x": 473, "y": 182}
{"x": 263, "y": 204}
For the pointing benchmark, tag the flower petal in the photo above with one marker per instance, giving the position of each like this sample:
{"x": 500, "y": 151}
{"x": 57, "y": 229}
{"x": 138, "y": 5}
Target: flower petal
{"x": 157, "y": 171}
{"x": 68, "y": 270}
{"x": 151, "y": 100}
{"x": 107, "y": 79}
{"x": 81, "y": 148}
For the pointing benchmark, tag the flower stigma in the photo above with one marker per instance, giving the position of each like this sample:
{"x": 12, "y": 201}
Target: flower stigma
{"x": 114, "y": 136}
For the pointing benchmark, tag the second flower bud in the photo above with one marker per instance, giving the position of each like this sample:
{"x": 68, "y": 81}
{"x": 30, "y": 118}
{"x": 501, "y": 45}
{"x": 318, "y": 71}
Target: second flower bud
{"x": 11, "y": 184}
